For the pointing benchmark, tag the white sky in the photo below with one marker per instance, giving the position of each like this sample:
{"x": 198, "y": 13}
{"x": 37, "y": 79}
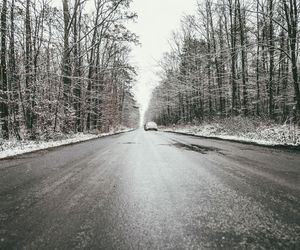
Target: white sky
{"x": 157, "y": 19}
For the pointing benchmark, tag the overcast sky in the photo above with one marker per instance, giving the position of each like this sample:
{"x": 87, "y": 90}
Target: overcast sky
{"x": 157, "y": 19}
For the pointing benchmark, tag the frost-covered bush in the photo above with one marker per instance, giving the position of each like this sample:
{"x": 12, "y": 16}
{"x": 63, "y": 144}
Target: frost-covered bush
{"x": 281, "y": 134}
{"x": 247, "y": 129}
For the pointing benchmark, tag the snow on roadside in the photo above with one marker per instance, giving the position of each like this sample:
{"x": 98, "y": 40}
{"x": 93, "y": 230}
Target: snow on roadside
{"x": 265, "y": 135}
{"x": 15, "y": 147}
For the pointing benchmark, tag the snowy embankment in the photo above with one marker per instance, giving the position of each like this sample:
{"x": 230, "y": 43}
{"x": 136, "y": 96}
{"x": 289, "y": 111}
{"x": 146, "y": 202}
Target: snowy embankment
{"x": 10, "y": 148}
{"x": 244, "y": 131}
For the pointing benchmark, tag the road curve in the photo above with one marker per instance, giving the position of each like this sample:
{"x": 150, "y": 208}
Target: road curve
{"x": 151, "y": 190}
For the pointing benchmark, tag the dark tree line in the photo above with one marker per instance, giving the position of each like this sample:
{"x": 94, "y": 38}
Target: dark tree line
{"x": 65, "y": 71}
{"x": 233, "y": 58}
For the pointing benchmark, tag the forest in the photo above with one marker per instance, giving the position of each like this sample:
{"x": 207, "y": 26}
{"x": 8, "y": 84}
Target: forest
{"x": 65, "y": 70}
{"x": 233, "y": 58}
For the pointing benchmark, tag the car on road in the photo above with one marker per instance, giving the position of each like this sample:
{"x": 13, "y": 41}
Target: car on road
{"x": 150, "y": 126}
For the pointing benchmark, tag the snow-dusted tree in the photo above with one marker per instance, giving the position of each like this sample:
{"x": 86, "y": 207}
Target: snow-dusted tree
{"x": 65, "y": 68}
{"x": 234, "y": 57}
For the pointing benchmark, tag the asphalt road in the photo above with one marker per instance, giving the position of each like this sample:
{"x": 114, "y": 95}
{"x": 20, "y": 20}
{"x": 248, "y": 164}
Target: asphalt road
{"x": 151, "y": 190}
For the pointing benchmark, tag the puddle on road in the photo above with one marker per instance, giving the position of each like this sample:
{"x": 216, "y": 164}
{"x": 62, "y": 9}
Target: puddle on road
{"x": 197, "y": 148}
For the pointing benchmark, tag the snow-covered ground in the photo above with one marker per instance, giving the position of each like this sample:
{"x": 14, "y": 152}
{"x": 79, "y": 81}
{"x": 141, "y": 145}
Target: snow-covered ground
{"x": 14, "y": 147}
{"x": 270, "y": 134}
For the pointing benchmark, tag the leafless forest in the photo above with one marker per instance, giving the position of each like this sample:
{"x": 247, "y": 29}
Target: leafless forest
{"x": 233, "y": 58}
{"x": 68, "y": 70}
{"x": 65, "y": 71}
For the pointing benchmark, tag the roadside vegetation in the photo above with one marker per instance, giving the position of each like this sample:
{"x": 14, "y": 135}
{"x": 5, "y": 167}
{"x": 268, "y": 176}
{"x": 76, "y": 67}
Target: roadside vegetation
{"x": 242, "y": 129}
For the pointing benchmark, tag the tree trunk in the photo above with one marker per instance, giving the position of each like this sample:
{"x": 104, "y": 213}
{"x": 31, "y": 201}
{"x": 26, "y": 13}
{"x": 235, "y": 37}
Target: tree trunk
{"x": 14, "y": 81}
{"x": 3, "y": 74}
{"x": 232, "y": 14}
{"x": 243, "y": 59}
{"x": 66, "y": 67}
{"x": 28, "y": 70}
{"x": 291, "y": 13}
{"x": 271, "y": 55}
{"x": 257, "y": 61}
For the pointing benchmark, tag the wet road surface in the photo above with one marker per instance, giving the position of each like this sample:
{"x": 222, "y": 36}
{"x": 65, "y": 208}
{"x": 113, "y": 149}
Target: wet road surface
{"x": 151, "y": 190}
